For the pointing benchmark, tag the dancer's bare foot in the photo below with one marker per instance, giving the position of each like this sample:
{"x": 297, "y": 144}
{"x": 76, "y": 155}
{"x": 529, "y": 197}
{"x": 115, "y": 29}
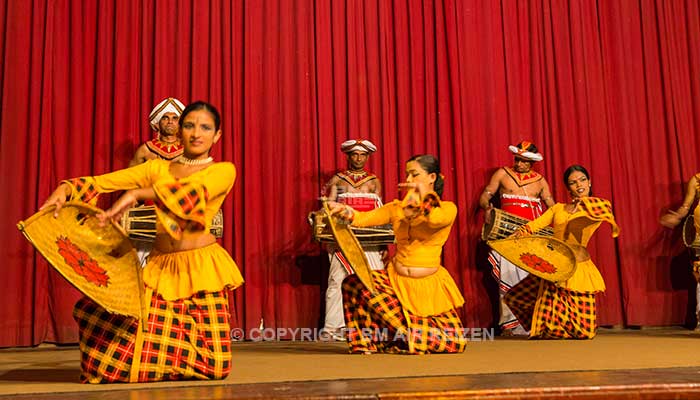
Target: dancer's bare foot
{"x": 508, "y": 332}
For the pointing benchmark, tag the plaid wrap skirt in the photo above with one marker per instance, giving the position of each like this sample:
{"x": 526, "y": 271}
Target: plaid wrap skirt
{"x": 552, "y": 312}
{"x": 185, "y": 339}
{"x": 378, "y": 323}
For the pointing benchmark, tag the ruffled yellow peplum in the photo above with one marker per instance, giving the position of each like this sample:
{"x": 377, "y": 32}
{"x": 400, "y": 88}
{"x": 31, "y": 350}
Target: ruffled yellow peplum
{"x": 181, "y": 274}
{"x": 430, "y": 295}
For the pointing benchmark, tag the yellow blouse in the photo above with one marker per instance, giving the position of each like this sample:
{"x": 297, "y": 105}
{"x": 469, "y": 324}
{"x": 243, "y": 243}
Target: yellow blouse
{"x": 419, "y": 240}
{"x": 575, "y": 228}
{"x": 419, "y": 243}
{"x": 183, "y": 206}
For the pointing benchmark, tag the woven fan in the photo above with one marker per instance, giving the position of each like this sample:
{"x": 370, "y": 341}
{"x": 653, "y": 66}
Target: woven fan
{"x": 98, "y": 260}
{"x": 351, "y": 249}
{"x": 546, "y": 257}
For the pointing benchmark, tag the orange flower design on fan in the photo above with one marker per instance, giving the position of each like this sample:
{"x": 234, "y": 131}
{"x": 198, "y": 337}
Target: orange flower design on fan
{"x": 81, "y": 262}
{"x": 538, "y": 263}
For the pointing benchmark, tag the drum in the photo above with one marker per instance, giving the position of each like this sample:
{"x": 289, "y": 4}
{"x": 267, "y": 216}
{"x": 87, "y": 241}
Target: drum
{"x": 139, "y": 223}
{"x": 690, "y": 236}
{"x": 503, "y": 224}
{"x": 367, "y": 236}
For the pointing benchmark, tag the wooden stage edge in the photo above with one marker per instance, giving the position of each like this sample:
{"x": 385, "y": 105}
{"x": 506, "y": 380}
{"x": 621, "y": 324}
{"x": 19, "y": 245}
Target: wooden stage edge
{"x": 661, "y": 384}
{"x": 627, "y": 364}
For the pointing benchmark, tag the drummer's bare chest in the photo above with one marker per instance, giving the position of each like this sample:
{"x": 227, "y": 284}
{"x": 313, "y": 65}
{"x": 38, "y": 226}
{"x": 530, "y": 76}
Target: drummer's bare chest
{"x": 367, "y": 187}
{"x": 508, "y": 186}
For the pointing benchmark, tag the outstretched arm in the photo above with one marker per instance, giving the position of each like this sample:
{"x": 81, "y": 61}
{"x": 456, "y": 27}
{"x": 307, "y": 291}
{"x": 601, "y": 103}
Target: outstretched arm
{"x": 379, "y": 216}
{"x": 531, "y": 227}
{"x": 673, "y": 218}
{"x": 125, "y": 202}
{"x": 58, "y": 198}
{"x": 88, "y": 188}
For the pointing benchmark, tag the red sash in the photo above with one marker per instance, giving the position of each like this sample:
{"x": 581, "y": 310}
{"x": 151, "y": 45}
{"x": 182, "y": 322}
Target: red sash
{"x": 529, "y": 208}
{"x": 359, "y": 201}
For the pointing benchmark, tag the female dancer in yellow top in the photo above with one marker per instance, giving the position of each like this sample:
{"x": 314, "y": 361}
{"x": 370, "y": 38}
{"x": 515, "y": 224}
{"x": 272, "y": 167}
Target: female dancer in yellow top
{"x": 414, "y": 308}
{"x": 187, "y": 274}
{"x": 567, "y": 309}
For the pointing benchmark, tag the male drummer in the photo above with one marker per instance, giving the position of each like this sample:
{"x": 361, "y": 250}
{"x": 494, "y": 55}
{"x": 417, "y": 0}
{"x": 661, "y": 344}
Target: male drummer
{"x": 672, "y": 218}
{"x": 165, "y": 145}
{"x": 521, "y": 191}
{"x": 362, "y": 190}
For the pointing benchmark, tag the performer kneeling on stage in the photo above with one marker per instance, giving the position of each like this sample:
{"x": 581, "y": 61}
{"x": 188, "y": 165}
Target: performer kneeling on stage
{"x": 413, "y": 308}
{"x": 187, "y": 275}
{"x": 565, "y": 310}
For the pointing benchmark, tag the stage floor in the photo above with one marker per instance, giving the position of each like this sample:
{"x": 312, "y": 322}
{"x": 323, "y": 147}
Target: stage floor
{"x": 653, "y": 361}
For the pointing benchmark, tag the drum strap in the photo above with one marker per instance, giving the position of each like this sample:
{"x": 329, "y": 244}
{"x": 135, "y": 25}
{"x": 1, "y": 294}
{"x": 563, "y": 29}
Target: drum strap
{"x": 537, "y": 213}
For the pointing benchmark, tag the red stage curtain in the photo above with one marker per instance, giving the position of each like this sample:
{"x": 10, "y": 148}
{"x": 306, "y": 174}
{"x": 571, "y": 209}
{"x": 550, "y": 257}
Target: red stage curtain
{"x": 613, "y": 85}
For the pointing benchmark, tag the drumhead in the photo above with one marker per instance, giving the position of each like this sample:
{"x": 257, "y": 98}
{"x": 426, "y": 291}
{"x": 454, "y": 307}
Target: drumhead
{"x": 487, "y": 228}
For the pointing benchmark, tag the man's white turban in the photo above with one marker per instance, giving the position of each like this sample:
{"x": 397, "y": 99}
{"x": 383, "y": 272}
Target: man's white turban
{"x": 358, "y": 145}
{"x": 526, "y": 150}
{"x": 169, "y": 105}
